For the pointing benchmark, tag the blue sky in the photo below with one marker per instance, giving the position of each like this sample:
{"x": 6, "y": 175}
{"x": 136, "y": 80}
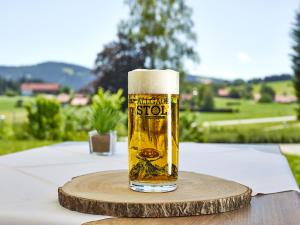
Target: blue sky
{"x": 236, "y": 38}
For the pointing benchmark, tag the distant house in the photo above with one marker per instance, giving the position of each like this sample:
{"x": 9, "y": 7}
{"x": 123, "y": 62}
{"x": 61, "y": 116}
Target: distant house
{"x": 38, "y": 88}
{"x": 80, "y": 100}
{"x": 186, "y": 96}
{"x": 63, "y": 98}
{"x": 285, "y": 98}
{"x": 222, "y": 92}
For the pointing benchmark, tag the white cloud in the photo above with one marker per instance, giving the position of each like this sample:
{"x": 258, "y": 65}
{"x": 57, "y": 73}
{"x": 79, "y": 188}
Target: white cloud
{"x": 243, "y": 57}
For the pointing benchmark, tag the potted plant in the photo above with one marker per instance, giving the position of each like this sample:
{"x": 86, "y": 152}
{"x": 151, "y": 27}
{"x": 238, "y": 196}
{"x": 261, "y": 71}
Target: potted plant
{"x": 106, "y": 114}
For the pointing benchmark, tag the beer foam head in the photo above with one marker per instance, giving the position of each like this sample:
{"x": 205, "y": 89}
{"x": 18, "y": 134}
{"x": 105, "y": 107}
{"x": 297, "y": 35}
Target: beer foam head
{"x": 142, "y": 81}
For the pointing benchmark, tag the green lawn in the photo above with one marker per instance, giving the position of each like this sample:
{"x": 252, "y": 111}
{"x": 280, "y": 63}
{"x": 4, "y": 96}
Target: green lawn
{"x": 294, "y": 162}
{"x": 11, "y": 146}
{"x": 254, "y": 133}
{"x": 285, "y": 87}
{"x": 280, "y": 87}
{"x": 16, "y": 115}
{"x": 248, "y": 109}
{"x": 10, "y": 111}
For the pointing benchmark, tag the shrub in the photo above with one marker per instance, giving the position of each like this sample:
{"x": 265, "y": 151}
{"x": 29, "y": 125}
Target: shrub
{"x": 267, "y": 94}
{"x": 122, "y": 126}
{"x": 266, "y": 98}
{"x": 208, "y": 99}
{"x": 10, "y": 93}
{"x": 44, "y": 117}
{"x": 205, "y": 100}
{"x": 234, "y": 93}
{"x": 2, "y": 129}
{"x": 247, "y": 91}
{"x": 190, "y": 128}
{"x": 19, "y": 131}
{"x": 65, "y": 89}
{"x": 106, "y": 109}
{"x": 5, "y": 130}
{"x": 19, "y": 103}
{"x": 245, "y": 134}
{"x": 76, "y": 123}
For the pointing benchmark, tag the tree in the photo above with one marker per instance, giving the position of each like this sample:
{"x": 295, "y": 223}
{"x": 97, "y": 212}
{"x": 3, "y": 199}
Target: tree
{"x": 44, "y": 118}
{"x": 7, "y": 85}
{"x": 238, "y": 82}
{"x": 265, "y": 98}
{"x": 158, "y": 34}
{"x": 65, "y": 89}
{"x": 208, "y": 103}
{"x": 234, "y": 93}
{"x": 296, "y": 59}
{"x": 267, "y": 94}
{"x": 162, "y": 30}
{"x": 242, "y": 91}
{"x": 206, "y": 98}
{"x": 10, "y": 93}
{"x": 247, "y": 91}
{"x": 114, "y": 62}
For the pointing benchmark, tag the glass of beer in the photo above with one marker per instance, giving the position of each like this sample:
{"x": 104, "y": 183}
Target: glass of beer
{"x": 153, "y": 131}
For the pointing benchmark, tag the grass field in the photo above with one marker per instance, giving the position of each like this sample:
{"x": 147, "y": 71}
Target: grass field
{"x": 15, "y": 114}
{"x": 294, "y": 162}
{"x": 254, "y": 133}
{"x": 280, "y": 87}
{"x": 248, "y": 109}
{"x": 11, "y": 146}
{"x": 10, "y": 111}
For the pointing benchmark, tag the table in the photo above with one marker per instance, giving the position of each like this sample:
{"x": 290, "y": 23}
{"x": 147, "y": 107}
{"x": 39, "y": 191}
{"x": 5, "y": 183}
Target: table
{"x": 29, "y": 182}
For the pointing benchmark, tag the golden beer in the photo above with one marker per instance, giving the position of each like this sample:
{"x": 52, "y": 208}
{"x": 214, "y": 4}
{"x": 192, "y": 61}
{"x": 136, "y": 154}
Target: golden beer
{"x": 153, "y": 130}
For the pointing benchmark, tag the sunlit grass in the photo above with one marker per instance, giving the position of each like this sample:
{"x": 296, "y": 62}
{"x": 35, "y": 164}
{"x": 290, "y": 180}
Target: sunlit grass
{"x": 11, "y": 146}
{"x": 280, "y": 87}
{"x": 8, "y": 108}
{"x": 247, "y": 109}
{"x": 294, "y": 162}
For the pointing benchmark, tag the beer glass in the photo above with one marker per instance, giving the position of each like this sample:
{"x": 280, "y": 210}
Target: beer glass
{"x": 153, "y": 114}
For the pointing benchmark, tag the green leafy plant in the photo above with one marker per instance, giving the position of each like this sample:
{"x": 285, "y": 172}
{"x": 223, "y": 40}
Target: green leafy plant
{"x": 76, "y": 122}
{"x": 190, "y": 128}
{"x": 44, "y": 117}
{"x": 4, "y": 129}
{"x": 106, "y": 110}
{"x": 266, "y": 98}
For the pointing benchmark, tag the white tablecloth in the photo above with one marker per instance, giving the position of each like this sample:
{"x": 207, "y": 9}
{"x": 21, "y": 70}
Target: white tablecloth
{"x": 29, "y": 179}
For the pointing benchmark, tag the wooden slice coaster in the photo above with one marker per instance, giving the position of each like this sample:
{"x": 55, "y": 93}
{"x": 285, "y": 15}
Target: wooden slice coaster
{"x": 107, "y": 193}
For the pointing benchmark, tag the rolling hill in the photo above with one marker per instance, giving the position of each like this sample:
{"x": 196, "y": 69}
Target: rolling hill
{"x": 200, "y": 79}
{"x": 71, "y": 75}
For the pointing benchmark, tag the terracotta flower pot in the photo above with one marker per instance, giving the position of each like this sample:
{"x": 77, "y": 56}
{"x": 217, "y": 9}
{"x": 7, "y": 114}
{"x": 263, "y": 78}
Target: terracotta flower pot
{"x": 103, "y": 144}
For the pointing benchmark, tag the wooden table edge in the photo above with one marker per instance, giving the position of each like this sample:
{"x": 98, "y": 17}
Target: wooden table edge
{"x": 275, "y": 208}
